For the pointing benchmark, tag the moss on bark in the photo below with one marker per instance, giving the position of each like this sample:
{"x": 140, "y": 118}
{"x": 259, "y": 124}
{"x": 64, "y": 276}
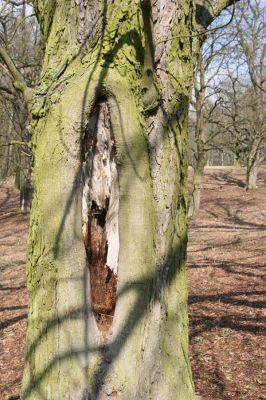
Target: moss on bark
{"x": 145, "y": 356}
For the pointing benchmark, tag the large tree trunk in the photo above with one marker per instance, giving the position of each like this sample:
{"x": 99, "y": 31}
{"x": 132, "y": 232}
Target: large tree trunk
{"x": 106, "y": 269}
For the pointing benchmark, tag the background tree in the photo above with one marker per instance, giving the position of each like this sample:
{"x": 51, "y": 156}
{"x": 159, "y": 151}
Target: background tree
{"x": 243, "y": 107}
{"x": 106, "y": 269}
{"x": 19, "y": 40}
{"x": 243, "y": 132}
{"x": 205, "y": 100}
{"x": 251, "y": 29}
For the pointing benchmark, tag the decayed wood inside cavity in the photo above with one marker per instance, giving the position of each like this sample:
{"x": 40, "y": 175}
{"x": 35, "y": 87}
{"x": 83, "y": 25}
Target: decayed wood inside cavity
{"x": 100, "y": 202}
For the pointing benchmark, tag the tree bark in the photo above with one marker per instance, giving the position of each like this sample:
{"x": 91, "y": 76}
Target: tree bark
{"x": 122, "y": 332}
{"x": 194, "y": 203}
{"x": 26, "y": 187}
{"x": 252, "y": 164}
{"x": 251, "y": 174}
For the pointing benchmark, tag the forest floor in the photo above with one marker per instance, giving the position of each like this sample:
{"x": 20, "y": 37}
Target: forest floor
{"x": 226, "y": 259}
{"x": 227, "y": 288}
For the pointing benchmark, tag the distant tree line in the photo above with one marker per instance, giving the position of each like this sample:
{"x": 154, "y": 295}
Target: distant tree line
{"x": 228, "y": 106}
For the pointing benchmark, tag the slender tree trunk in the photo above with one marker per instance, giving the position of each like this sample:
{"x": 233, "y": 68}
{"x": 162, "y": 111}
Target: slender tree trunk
{"x": 237, "y": 161}
{"x": 200, "y": 154}
{"x": 222, "y": 158}
{"x": 106, "y": 268}
{"x": 5, "y": 162}
{"x": 6, "y": 153}
{"x": 26, "y": 189}
{"x": 18, "y": 171}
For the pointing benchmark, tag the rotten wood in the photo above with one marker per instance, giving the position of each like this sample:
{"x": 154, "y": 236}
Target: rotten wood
{"x": 100, "y": 202}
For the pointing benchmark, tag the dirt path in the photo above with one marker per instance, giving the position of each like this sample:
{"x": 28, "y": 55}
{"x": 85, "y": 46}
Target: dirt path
{"x": 13, "y": 293}
{"x": 227, "y": 259}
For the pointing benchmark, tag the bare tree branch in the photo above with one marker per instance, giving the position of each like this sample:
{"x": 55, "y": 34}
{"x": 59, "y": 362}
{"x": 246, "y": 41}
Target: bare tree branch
{"x": 15, "y": 142}
{"x": 207, "y": 11}
{"x": 19, "y": 24}
{"x": 18, "y": 81}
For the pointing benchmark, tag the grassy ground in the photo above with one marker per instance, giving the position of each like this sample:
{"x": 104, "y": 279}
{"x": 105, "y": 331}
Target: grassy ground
{"x": 226, "y": 258}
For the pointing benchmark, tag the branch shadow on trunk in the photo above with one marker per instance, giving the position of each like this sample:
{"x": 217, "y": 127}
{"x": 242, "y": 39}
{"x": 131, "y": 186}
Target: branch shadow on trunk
{"x": 116, "y": 345}
{"x": 155, "y": 284}
{"x": 148, "y": 290}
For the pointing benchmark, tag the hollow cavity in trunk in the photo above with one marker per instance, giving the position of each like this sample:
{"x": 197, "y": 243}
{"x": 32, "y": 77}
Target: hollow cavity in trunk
{"x": 100, "y": 203}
